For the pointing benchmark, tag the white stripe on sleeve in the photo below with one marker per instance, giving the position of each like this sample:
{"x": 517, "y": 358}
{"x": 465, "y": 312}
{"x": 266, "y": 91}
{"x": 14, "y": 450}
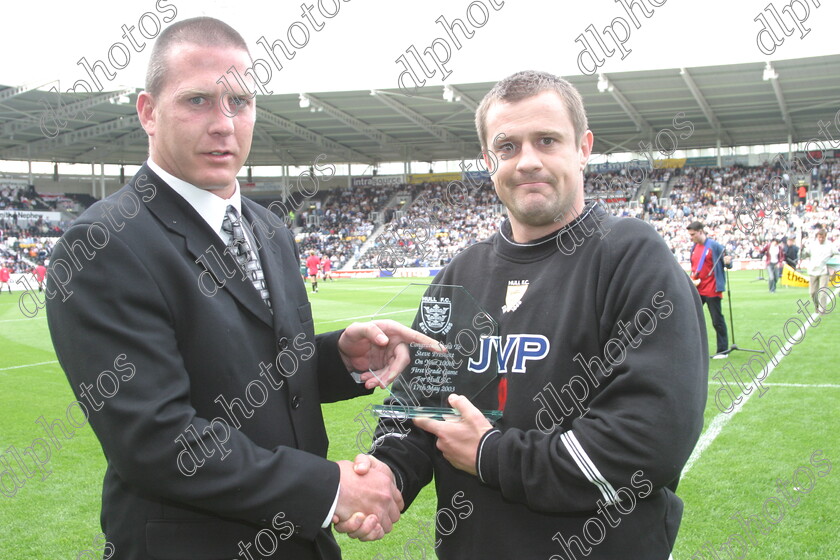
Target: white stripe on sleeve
{"x": 587, "y": 467}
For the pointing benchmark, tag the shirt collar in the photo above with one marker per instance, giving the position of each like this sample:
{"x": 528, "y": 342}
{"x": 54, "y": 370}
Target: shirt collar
{"x": 209, "y": 206}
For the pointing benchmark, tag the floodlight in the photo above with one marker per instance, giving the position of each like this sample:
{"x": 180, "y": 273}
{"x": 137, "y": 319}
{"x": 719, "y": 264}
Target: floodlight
{"x": 603, "y": 83}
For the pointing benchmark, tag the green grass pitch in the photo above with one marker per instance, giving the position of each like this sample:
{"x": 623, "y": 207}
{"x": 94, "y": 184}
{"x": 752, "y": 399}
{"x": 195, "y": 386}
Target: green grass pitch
{"x": 788, "y": 433}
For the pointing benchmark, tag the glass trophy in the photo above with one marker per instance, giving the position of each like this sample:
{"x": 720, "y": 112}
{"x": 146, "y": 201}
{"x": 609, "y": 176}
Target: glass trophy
{"x": 452, "y": 317}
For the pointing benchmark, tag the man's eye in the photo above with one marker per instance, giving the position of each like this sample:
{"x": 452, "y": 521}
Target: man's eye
{"x": 238, "y": 102}
{"x": 505, "y": 150}
{"x": 547, "y": 141}
{"x": 197, "y": 101}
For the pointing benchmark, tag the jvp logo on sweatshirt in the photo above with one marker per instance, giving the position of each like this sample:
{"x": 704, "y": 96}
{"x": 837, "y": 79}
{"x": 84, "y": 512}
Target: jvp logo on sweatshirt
{"x": 516, "y": 350}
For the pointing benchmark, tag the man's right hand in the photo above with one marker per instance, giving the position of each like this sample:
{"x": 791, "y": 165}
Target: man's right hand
{"x": 368, "y": 502}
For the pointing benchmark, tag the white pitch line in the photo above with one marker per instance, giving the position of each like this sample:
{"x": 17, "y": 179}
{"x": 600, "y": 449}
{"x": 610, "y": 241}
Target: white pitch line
{"x": 800, "y": 385}
{"x": 28, "y": 365}
{"x": 370, "y": 315}
{"x": 14, "y": 320}
{"x": 719, "y": 421}
{"x": 365, "y": 288}
{"x": 803, "y": 385}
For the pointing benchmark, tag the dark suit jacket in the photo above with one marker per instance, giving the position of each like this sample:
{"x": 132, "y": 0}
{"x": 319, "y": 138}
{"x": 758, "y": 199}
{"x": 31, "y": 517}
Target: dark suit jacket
{"x": 207, "y": 406}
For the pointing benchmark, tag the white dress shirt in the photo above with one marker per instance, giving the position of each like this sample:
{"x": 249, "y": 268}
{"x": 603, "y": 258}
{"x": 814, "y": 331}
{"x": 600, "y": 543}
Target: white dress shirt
{"x": 209, "y": 206}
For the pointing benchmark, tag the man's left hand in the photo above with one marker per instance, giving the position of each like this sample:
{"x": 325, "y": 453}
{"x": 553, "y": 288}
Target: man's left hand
{"x": 458, "y": 439}
{"x": 381, "y": 347}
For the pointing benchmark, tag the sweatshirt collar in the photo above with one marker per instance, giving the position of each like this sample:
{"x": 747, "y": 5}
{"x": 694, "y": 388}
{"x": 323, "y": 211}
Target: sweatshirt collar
{"x": 560, "y": 240}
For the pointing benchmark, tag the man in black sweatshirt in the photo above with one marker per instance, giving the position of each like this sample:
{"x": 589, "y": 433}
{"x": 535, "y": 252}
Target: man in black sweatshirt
{"x": 602, "y": 356}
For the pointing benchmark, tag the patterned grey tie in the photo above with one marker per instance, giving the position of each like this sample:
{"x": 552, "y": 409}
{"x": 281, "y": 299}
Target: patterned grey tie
{"x": 245, "y": 255}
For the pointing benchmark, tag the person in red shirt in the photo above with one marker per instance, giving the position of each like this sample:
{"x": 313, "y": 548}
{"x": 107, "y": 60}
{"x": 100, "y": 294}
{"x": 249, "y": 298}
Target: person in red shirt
{"x": 707, "y": 261}
{"x": 40, "y": 272}
{"x": 5, "y": 275}
{"x": 313, "y": 263}
{"x": 326, "y": 267}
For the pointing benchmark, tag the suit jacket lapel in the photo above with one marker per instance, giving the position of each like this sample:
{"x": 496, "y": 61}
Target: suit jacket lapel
{"x": 203, "y": 245}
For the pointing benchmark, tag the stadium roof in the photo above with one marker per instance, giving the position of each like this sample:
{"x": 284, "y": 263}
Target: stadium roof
{"x": 738, "y": 105}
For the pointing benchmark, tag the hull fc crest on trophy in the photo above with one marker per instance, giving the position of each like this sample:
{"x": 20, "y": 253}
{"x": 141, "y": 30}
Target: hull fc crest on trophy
{"x": 450, "y": 315}
{"x": 435, "y": 316}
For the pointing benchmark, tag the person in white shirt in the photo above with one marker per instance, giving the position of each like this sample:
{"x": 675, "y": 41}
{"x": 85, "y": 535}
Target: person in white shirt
{"x": 819, "y": 252}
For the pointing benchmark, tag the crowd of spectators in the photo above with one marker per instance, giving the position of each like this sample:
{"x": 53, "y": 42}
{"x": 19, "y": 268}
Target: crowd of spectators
{"x": 21, "y": 253}
{"x": 15, "y": 197}
{"x": 24, "y": 242}
{"x": 12, "y": 197}
{"x": 427, "y": 224}
{"x": 439, "y": 222}
{"x": 623, "y": 184}
{"x": 341, "y": 221}
{"x": 743, "y": 208}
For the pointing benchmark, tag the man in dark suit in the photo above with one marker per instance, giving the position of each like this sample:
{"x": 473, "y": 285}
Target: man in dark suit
{"x": 203, "y": 383}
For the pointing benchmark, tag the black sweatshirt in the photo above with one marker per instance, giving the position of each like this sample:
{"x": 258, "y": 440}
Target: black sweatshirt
{"x": 603, "y": 348}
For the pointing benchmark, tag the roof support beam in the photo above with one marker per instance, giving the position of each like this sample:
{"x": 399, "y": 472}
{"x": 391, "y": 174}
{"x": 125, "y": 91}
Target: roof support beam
{"x": 27, "y": 151}
{"x": 275, "y": 147}
{"x": 771, "y": 75}
{"x": 463, "y": 99}
{"x": 641, "y": 124}
{"x": 351, "y": 121}
{"x": 614, "y": 147}
{"x": 704, "y": 106}
{"x": 12, "y": 92}
{"x": 358, "y": 125}
{"x": 438, "y": 132}
{"x": 115, "y": 145}
{"x": 61, "y": 113}
{"x": 339, "y": 152}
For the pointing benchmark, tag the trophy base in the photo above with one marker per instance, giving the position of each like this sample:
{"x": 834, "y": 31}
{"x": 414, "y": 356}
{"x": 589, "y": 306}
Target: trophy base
{"x": 436, "y": 413}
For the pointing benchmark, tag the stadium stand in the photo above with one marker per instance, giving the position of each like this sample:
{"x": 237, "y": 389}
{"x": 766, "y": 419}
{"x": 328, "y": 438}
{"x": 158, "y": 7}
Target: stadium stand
{"x": 420, "y": 225}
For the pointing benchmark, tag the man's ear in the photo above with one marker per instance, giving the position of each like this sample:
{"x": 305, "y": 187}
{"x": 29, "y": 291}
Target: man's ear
{"x": 146, "y": 112}
{"x": 585, "y": 148}
{"x": 490, "y": 161}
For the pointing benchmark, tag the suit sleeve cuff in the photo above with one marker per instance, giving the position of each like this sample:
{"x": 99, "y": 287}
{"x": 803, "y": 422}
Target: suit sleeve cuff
{"x": 487, "y": 458}
{"x": 334, "y": 381}
{"x": 328, "y": 353}
{"x": 328, "y": 520}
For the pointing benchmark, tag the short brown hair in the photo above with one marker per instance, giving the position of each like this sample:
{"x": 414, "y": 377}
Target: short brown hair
{"x": 202, "y": 31}
{"x": 529, "y": 83}
{"x": 696, "y": 226}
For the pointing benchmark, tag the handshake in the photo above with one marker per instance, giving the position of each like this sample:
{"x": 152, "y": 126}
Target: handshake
{"x": 369, "y": 502}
